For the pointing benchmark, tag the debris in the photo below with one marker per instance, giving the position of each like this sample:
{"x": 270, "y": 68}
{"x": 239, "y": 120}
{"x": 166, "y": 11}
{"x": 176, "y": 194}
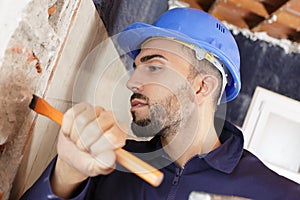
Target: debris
{"x": 51, "y": 10}
{"x": 287, "y": 45}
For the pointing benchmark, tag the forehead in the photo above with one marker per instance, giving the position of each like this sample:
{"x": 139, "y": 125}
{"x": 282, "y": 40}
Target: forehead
{"x": 166, "y": 46}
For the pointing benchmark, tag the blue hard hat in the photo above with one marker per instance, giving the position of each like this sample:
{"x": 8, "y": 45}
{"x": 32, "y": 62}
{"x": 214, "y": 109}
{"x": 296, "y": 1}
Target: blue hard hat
{"x": 195, "y": 27}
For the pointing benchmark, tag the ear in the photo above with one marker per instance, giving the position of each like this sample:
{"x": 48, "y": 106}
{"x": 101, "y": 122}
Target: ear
{"x": 204, "y": 86}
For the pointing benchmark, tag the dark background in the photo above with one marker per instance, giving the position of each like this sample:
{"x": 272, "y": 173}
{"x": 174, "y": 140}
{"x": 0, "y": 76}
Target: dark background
{"x": 265, "y": 65}
{"x": 262, "y": 64}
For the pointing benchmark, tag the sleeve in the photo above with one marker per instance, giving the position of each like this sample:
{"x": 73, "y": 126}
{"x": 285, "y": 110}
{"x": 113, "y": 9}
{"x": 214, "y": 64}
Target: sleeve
{"x": 41, "y": 189}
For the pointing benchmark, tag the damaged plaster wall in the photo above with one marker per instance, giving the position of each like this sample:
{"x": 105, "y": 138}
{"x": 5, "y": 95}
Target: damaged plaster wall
{"x": 85, "y": 32}
{"x": 27, "y": 63}
{"x": 10, "y": 16}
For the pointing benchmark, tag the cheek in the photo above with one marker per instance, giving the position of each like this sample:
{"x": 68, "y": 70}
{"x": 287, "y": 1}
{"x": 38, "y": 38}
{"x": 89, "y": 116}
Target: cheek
{"x": 166, "y": 86}
{"x": 156, "y": 92}
{"x": 174, "y": 79}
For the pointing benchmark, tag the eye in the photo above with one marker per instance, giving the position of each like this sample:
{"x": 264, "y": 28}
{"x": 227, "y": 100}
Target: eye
{"x": 152, "y": 68}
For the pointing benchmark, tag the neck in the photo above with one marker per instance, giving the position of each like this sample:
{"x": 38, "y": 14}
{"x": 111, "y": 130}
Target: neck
{"x": 191, "y": 139}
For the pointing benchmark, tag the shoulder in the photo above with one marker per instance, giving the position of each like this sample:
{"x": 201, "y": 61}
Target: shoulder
{"x": 256, "y": 172}
{"x": 252, "y": 164}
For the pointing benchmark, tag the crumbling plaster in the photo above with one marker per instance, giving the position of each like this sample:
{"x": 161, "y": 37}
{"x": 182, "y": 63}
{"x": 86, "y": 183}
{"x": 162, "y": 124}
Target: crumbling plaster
{"x": 30, "y": 48}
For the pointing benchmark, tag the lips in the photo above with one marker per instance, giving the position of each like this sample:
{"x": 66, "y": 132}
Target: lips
{"x": 138, "y": 103}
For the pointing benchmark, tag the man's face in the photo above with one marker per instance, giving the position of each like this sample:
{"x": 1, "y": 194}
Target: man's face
{"x": 162, "y": 99}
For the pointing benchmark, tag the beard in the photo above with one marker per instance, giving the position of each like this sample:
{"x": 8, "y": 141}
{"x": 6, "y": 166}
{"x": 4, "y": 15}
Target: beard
{"x": 166, "y": 116}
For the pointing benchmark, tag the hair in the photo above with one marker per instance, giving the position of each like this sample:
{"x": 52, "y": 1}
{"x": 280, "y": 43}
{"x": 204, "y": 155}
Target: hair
{"x": 204, "y": 67}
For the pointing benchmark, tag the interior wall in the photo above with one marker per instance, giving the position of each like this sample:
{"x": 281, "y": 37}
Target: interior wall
{"x": 42, "y": 56}
{"x": 116, "y": 15}
{"x": 41, "y": 146}
{"x": 37, "y": 32}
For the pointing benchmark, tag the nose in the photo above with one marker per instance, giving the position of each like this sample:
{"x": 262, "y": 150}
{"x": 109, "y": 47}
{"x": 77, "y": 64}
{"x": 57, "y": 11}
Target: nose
{"x": 135, "y": 83}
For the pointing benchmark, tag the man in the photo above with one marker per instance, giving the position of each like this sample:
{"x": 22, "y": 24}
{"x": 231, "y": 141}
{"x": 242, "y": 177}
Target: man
{"x": 184, "y": 66}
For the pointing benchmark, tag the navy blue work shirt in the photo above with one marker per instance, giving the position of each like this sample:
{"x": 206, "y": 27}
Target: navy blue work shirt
{"x": 227, "y": 170}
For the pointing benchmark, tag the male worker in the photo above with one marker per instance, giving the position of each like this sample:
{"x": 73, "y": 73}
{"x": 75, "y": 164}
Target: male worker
{"x": 185, "y": 64}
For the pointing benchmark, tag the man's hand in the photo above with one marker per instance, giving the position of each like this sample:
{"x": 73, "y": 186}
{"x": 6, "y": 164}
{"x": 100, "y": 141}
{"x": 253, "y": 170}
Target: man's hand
{"x": 86, "y": 147}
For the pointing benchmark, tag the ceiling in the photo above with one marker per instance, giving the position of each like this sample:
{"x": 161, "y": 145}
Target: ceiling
{"x": 278, "y": 18}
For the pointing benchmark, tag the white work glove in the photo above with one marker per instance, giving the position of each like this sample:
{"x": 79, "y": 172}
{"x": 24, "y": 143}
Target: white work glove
{"x": 87, "y": 142}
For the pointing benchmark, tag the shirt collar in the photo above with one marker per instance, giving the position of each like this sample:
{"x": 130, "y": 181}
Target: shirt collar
{"x": 224, "y": 158}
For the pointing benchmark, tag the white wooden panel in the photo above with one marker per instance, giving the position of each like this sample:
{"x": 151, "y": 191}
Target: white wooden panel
{"x": 272, "y": 132}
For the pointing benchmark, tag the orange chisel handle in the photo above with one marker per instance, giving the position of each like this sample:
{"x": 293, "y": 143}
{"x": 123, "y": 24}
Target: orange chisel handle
{"x": 142, "y": 169}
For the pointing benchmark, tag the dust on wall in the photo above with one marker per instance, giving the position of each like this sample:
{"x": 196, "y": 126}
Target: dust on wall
{"x": 26, "y": 67}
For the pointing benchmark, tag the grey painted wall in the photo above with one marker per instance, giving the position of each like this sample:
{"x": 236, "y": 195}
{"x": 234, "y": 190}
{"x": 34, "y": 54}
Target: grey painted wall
{"x": 117, "y": 14}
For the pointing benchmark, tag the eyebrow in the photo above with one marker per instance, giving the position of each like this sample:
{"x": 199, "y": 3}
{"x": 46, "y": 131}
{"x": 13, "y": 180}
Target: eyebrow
{"x": 149, "y": 57}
